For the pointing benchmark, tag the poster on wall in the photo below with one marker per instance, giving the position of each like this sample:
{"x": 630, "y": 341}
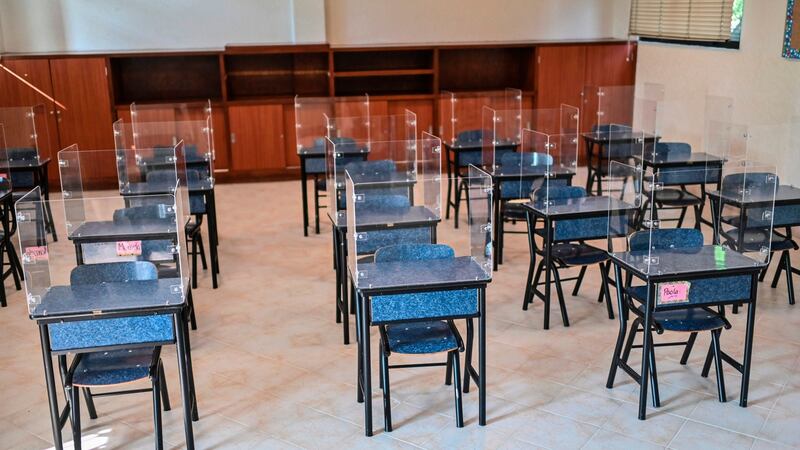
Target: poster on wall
{"x": 791, "y": 36}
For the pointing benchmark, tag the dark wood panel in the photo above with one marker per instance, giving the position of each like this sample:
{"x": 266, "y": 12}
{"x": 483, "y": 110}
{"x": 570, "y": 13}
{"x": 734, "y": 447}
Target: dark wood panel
{"x": 422, "y": 108}
{"x": 560, "y": 75}
{"x": 290, "y": 135}
{"x": 166, "y": 78}
{"x": 257, "y": 137}
{"x": 609, "y": 65}
{"x": 481, "y": 69}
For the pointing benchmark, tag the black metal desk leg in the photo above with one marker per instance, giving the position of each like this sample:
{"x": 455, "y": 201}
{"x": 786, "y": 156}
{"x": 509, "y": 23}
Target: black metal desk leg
{"x": 186, "y": 394}
{"x": 646, "y": 343}
{"x": 212, "y": 237}
{"x": 366, "y": 364}
{"x": 45, "y": 182}
{"x": 623, "y": 326}
{"x": 50, "y": 382}
{"x": 496, "y": 224}
{"x": 482, "y": 358}
{"x": 548, "y": 237}
{"x": 304, "y": 189}
{"x": 748, "y": 341}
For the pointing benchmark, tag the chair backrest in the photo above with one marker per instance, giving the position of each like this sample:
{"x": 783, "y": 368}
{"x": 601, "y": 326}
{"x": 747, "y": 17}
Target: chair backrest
{"x": 609, "y": 128}
{"x": 736, "y": 182}
{"x": 381, "y": 201}
{"x": 162, "y": 176}
{"x": 114, "y": 272}
{"x": 559, "y": 193}
{"x": 144, "y": 214}
{"x": 666, "y": 238}
{"x": 376, "y": 168}
{"x": 469, "y": 137}
{"x": 414, "y": 252}
{"x": 516, "y": 159}
{"x": 22, "y": 179}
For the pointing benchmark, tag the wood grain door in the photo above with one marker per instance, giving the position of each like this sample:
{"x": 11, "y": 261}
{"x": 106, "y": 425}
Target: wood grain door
{"x": 423, "y": 110}
{"x": 560, "y": 74}
{"x": 257, "y": 137}
{"x": 14, "y": 92}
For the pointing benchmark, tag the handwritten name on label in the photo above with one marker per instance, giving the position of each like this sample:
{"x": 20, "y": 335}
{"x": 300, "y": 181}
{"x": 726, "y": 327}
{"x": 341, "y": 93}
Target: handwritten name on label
{"x": 675, "y": 292}
{"x": 129, "y": 248}
{"x": 38, "y": 253}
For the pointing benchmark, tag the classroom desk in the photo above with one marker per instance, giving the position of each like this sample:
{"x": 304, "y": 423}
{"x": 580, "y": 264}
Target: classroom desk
{"x": 108, "y": 231}
{"x": 599, "y": 140}
{"x": 112, "y": 300}
{"x": 38, "y": 170}
{"x": 413, "y": 217}
{"x": 204, "y": 187}
{"x": 527, "y": 173}
{"x": 404, "y": 277}
{"x": 659, "y": 266}
{"x": 564, "y": 209}
{"x": 453, "y": 165}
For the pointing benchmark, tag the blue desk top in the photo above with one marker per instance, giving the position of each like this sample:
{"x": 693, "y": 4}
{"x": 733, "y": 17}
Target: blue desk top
{"x": 653, "y": 159}
{"x": 784, "y": 195}
{"x": 588, "y": 206}
{"x": 107, "y": 229}
{"x": 455, "y": 272}
{"x": 96, "y": 299}
{"x": 528, "y": 172}
{"x": 709, "y": 258}
{"x": 413, "y": 215}
{"x": 27, "y": 163}
{"x": 156, "y": 188}
{"x": 617, "y": 136}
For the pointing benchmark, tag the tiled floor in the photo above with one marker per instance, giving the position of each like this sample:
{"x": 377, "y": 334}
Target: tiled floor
{"x": 272, "y": 372}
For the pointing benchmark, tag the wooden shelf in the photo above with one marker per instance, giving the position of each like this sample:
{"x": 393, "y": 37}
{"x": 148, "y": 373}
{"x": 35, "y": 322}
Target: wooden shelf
{"x": 166, "y": 78}
{"x": 383, "y": 73}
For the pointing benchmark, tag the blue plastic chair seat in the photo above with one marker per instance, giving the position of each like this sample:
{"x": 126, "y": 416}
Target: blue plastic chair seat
{"x": 578, "y": 254}
{"x": 114, "y": 367}
{"x": 677, "y": 197}
{"x": 687, "y": 320}
{"x": 421, "y": 337}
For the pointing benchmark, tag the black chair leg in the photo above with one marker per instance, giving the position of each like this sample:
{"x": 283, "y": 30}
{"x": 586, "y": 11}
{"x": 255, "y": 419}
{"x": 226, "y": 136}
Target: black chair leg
{"x": 3, "y": 302}
{"x": 457, "y": 203}
{"x": 718, "y": 365}
{"x": 681, "y": 217}
{"x": 163, "y": 388}
{"x": 763, "y": 273}
{"x": 448, "y": 373}
{"x": 778, "y": 271}
{"x": 528, "y": 287}
{"x": 787, "y": 261}
{"x": 653, "y": 372}
{"x": 16, "y": 266}
{"x": 561, "y": 303}
{"x": 457, "y": 387}
{"x": 87, "y": 397}
{"x": 316, "y": 206}
{"x": 707, "y": 364}
{"x": 159, "y": 436}
{"x": 202, "y": 250}
{"x": 578, "y": 282}
{"x": 468, "y": 355}
{"x": 387, "y": 400}
{"x": 604, "y": 267}
{"x": 536, "y": 277}
{"x": 626, "y": 352}
{"x": 194, "y": 263}
{"x": 688, "y": 349}
{"x": 75, "y": 415}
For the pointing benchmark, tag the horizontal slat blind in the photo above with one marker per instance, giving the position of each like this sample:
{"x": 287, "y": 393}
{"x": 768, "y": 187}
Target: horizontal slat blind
{"x": 694, "y": 20}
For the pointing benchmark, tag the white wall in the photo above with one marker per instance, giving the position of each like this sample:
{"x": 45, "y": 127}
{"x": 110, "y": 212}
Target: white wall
{"x": 119, "y": 25}
{"x": 359, "y": 22}
{"x": 764, "y": 86}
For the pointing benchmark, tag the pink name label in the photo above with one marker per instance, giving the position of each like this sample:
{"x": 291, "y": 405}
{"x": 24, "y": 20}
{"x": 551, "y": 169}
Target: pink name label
{"x": 38, "y": 253}
{"x": 675, "y": 292}
{"x": 129, "y": 248}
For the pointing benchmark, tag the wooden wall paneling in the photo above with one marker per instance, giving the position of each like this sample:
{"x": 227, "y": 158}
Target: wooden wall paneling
{"x": 609, "y": 65}
{"x": 423, "y": 110}
{"x": 222, "y": 160}
{"x": 290, "y": 134}
{"x": 560, "y": 71}
{"x": 257, "y": 137}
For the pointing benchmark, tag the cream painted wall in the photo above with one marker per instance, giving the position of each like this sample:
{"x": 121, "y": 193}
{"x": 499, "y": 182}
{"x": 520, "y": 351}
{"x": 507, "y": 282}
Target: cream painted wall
{"x": 764, "y": 86}
{"x": 119, "y": 25}
{"x": 359, "y": 22}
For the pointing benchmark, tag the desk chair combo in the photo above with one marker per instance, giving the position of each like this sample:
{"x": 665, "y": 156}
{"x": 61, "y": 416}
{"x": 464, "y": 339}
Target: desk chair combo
{"x": 472, "y": 154}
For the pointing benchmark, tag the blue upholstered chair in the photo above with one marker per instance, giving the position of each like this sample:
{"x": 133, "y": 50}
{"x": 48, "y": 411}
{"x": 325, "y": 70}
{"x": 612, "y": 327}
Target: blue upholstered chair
{"x": 569, "y": 249}
{"x": 373, "y": 171}
{"x": 422, "y": 323}
{"x": 519, "y": 189}
{"x": 757, "y": 230}
{"x": 373, "y": 240}
{"x": 456, "y": 172}
{"x": 691, "y": 319}
{"x": 674, "y": 181}
{"x": 598, "y": 162}
{"x": 103, "y": 369}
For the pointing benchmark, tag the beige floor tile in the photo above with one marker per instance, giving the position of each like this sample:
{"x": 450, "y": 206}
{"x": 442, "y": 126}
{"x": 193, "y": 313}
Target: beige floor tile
{"x": 695, "y": 435}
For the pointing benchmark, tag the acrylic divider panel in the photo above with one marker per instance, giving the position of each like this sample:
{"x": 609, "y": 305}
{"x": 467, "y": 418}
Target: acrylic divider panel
{"x": 26, "y": 134}
{"x": 625, "y": 205}
{"x": 5, "y": 175}
{"x": 311, "y": 115}
{"x": 154, "y": 143}
{"x": 461, "y": 114}
{"x": 745, "y": 208}
{"x": 501, "y": 133}
{"x": 374, "y": 128}
{"x": 383, "y": 214}
{"x": 118, "y": 233}
{"x": 673, "y": 196}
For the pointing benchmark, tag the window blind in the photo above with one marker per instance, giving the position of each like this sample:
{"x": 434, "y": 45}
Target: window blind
{"x": 691, "y": 20}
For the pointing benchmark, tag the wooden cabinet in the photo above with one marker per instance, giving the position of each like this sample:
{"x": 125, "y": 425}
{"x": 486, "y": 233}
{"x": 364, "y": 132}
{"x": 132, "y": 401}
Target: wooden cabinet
{"x": 560, "y": 72}
{"x": 422, "y": 108}
{"x": 81, "y": 84}
{"x": 257, "y": 137}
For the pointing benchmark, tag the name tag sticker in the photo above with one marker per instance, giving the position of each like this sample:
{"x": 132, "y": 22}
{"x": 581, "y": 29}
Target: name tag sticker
{"x": 129, "y": 248}
{"x": 675, "y": 292}
{"x": 38, "y": 253}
